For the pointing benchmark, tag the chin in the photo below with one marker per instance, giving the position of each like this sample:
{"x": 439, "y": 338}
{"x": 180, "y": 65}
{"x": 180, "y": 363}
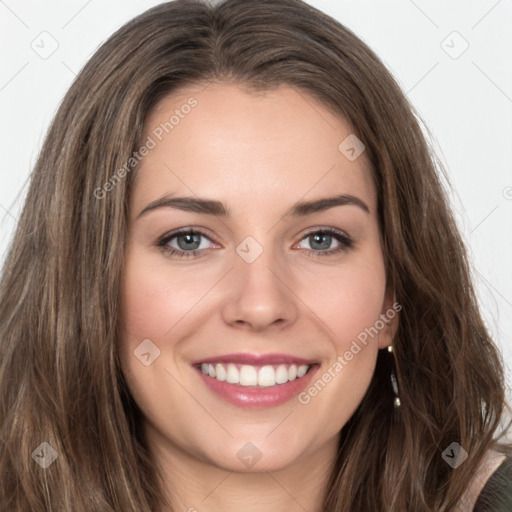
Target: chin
{"x": 257, "y": 455}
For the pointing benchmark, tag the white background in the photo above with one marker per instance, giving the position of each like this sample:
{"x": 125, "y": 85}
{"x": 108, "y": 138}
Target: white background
{"x": 465, "y": 101}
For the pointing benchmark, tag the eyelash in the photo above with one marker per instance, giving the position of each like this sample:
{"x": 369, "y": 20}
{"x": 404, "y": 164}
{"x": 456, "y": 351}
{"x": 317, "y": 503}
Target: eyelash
{"x": 345, "y": 241}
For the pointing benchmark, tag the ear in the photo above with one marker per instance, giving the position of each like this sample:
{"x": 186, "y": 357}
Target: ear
{"x": 390, "y": 318}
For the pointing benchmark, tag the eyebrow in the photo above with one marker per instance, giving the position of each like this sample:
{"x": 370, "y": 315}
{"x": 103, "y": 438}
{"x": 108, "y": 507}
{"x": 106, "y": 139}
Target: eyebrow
{"x": 219, "y": 209}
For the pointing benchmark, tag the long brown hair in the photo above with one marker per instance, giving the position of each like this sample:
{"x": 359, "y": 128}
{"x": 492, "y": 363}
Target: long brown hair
{"x": 60, "y": 377}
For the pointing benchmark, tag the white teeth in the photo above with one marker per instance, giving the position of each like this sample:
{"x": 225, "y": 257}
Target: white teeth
{"x": 266, "y": 376}
{"x": 232, "y": 374}
{"x": 221, "y": 372}
{"x": 281, "y": 374}
{"x": 263, "y": 376}
{"x": 301, "y": 370}
{"x": 248, "y": 376}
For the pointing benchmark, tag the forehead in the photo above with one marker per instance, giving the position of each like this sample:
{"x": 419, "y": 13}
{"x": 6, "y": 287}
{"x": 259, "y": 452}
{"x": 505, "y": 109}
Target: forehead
{"x": 268, "y": 148}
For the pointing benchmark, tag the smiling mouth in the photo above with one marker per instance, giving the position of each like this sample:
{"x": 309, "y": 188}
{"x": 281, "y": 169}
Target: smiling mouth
{"x": 251, "y": 375}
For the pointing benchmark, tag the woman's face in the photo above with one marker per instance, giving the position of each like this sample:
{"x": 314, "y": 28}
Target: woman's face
{"x": 271, "y": 283}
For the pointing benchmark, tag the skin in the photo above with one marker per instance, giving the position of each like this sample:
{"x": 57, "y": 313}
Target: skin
{"x": 259, "y": 154}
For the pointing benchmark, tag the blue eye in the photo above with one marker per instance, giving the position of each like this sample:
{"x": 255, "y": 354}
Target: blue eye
{"x": 188, "y": 241}
{"x": 322, "y": 239}
{"x": 191, "y": 242}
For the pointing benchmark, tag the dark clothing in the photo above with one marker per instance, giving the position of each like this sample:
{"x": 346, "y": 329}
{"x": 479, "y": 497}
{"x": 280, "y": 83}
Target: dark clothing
{"x": 496, "y": 496}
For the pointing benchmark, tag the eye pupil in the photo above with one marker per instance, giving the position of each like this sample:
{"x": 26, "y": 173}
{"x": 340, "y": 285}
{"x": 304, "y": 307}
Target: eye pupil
{"x": 190, "y": 239}
{"x": 316, "y": 238}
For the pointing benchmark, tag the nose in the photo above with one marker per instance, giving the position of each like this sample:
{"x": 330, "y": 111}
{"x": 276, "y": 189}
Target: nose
{"x": 260, "y": 294}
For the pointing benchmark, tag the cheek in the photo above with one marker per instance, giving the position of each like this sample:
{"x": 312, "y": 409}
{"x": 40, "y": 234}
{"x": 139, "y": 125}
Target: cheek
{"x": 349, "y": 302}
{"x": 348, "y": 298}
{"x": 152, "y": 301}
{"x": 155, "y": 297}
{"x": 161, "y": 303}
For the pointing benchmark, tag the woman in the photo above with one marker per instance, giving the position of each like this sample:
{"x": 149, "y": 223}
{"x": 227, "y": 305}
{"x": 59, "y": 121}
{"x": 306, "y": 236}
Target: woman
{"x": 236, "y": 282}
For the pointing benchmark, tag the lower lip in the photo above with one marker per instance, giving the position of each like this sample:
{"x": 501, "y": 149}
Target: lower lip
{"x": 257, "y": 397}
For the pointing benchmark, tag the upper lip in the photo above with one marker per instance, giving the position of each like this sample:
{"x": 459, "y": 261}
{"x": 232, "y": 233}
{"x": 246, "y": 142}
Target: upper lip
{"x": 256, "y": 359}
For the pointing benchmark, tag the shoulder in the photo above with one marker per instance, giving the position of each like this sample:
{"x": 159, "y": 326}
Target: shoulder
{"x": 496, "y": 493}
